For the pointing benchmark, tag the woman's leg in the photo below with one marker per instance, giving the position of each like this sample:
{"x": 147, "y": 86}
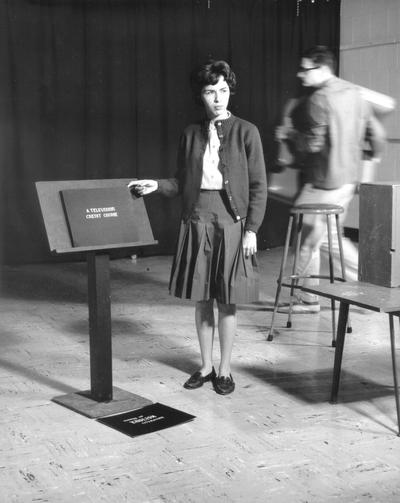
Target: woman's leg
{"x": 227, "y": 331}
{"x": 205, "y": 325}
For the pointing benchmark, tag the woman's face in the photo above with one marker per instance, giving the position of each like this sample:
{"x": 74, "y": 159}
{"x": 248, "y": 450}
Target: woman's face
{"x": 216, "y": 98}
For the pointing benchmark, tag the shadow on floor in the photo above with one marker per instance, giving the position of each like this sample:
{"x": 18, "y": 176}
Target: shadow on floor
{"x": 186, "y": 364}
{"x": 67, "y": 282}
{"x": 32, "y": 375}
{"x": 314, "y": 386}
{"x": 119, "y": 327}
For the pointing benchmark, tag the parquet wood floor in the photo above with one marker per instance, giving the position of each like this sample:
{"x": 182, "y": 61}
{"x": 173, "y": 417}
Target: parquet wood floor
{"x": 275, "y": 439}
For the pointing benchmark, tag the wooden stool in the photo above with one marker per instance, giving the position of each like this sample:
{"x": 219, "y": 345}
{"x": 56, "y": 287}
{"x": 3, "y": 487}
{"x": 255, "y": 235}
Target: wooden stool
{"x": 296, "y": 214}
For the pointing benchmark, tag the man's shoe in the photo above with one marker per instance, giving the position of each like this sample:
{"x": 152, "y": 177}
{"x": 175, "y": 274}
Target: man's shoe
{"x": 224, "y": 385}
{"x": 197, "y": 380}
{"x": 301, "y": 307}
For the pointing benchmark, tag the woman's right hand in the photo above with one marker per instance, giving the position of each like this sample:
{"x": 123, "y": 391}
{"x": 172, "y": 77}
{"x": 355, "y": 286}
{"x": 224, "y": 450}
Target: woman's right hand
{"x": 143, "y": 187}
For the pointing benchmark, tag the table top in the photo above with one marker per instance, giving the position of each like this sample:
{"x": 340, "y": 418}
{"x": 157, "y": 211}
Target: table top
{"x": 373, "y": 297}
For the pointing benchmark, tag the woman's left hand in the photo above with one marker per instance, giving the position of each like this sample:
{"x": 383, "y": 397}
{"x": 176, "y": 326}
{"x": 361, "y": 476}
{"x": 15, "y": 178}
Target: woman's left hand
{"x": 249, "y": 243}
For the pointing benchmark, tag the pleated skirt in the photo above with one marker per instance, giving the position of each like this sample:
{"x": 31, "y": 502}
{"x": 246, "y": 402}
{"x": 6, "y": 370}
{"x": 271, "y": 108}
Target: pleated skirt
{"x": 209, "y": 262}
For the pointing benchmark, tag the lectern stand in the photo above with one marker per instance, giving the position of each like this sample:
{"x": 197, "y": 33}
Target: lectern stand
{"x": 102, "y": 399}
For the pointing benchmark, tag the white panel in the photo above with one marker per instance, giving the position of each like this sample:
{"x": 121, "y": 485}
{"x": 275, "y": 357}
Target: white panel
{"x": 393, "y": 21}
{"x": 370, "y": 56}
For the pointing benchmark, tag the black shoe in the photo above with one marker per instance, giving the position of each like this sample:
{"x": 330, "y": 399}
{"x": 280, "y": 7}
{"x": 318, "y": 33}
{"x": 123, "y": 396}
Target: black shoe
{"x": 224, "y": 385}
{"x": 197, "y": 380}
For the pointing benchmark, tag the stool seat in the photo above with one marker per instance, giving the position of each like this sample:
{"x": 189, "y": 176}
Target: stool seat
{"x": 322, "y": 209}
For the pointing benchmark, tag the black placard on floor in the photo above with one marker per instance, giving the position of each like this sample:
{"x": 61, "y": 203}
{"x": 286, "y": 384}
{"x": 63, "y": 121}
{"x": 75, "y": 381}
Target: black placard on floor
{"x": 148, "y": 419}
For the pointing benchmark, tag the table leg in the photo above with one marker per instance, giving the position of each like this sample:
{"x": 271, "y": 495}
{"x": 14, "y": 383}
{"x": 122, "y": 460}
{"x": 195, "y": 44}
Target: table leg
{"x": 341, "y": 332}
{"x": 396, "y": 386}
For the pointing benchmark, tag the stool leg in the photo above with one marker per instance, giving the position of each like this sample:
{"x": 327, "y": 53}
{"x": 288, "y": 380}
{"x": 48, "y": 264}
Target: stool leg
{"x": 340, "y": 244}
{"x": 279, "y": 287}
{"x": 394, "y": 366}
{"x": 294, "y": 279}
{"x": 331, "y": 277}
{"x": 342, "y": 264}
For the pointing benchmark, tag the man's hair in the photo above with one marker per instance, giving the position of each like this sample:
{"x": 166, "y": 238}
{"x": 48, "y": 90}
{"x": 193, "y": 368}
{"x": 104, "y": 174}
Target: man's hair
{"x": 209, "y": 74}
{"x": 321, "y": 55}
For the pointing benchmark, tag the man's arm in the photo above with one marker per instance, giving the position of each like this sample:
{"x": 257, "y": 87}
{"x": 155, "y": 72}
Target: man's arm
{"x": 375, "y": 136}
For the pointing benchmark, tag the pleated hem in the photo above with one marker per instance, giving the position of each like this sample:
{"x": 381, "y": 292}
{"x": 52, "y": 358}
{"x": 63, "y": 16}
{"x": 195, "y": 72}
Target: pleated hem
{"x": 210, "y": 263}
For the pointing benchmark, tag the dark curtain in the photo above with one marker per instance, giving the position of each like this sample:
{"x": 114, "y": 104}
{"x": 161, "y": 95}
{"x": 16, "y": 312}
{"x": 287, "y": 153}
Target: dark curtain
{"x": 99, "y": 89}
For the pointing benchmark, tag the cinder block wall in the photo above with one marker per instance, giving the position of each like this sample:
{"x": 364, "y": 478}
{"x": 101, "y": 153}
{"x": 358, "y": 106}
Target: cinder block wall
{"x": 370, "y": 56}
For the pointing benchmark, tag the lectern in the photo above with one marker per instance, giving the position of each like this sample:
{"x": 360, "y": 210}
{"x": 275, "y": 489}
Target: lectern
{"x": 66, "y": 230}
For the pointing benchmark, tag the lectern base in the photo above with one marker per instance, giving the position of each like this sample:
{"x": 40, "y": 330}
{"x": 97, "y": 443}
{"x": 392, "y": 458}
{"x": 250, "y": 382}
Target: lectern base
{"x": 82, "y": 402}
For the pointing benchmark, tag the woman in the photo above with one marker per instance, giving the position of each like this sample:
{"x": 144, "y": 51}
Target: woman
{"x": 221, "y": 178}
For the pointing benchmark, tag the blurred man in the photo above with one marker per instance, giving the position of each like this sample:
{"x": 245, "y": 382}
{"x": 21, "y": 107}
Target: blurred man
{"x": 337, "y": 120}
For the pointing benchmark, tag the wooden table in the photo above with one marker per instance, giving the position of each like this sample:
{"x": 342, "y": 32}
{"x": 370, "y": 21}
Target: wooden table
{"x": 373, "y": 297}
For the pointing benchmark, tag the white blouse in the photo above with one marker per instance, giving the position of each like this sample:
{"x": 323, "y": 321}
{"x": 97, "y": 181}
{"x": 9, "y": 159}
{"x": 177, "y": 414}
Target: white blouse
{"x": 212, "y": 176}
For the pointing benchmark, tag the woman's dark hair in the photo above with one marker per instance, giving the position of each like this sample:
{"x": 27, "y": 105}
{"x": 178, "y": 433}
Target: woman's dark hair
{"x": 209, "y": 74}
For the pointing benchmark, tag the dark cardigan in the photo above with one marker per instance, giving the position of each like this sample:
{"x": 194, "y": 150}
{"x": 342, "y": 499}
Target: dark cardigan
{"x": 241, "y": 163}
